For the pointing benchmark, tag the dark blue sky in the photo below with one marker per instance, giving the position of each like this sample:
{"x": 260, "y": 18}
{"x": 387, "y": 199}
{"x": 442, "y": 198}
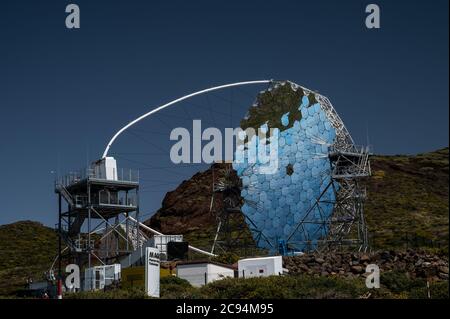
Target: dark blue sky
{"x": 63, "y": 93}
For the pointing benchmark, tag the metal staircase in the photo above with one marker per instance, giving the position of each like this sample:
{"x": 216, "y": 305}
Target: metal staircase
{"x": 133, "y": 235}
{"x": 75, "y": 226}
{"x": 61, "y": 189}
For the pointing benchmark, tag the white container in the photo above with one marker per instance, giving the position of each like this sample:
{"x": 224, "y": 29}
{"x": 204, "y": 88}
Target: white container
{"x": 161, "y": 241}
{"x": 106, "y": 168}
{"x": 260, "y": 267}
{"x": 98, "y": 277}
{"x": 201, "y": 273}
{"x": 157, "y": 241}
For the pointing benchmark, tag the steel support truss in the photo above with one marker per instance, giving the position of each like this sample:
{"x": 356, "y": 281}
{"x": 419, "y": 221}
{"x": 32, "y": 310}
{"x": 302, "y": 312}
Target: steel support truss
{"x": 345, "y": 227}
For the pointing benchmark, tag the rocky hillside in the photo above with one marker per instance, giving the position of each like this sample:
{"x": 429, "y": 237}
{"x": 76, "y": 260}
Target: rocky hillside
{"x": 188, "y": 209}
{"x": 407, "y": 205}
{"x": 407, "y": 202}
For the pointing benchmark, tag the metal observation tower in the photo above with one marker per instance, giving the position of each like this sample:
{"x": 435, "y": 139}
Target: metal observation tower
{"x": 99, "y": 199}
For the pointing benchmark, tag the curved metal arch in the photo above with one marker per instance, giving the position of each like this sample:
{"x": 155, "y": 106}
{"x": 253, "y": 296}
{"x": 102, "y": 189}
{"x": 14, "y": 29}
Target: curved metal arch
{"x": 105, "y": 153}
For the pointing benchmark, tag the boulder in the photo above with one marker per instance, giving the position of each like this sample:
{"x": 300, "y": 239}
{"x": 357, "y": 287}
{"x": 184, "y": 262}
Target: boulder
{"x": 357, "y": 269}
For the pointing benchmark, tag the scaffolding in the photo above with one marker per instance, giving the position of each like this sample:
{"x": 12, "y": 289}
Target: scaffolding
{"x": 96, "y": 207}
{"x": 346, "y": 226}
{"x": 234, "y": 229}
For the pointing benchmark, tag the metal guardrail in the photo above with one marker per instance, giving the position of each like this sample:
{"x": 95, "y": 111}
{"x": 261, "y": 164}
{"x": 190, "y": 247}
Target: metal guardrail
{"x": 106, "y": 198}
{"x": 123, "y": 175}
{"x": 353, "y": 161}
{"x": 109, "y": 198}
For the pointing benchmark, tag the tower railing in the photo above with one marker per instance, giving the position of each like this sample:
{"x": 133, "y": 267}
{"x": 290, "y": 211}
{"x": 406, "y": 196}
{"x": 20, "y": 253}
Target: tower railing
{"x": 122, "y": 175}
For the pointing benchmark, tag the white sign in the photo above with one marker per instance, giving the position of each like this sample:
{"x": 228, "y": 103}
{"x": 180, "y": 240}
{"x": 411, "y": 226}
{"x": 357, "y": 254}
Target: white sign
{"x": 152, "y": 264}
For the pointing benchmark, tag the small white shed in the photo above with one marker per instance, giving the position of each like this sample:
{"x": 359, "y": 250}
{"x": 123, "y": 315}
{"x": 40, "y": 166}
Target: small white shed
{"x": 161, "y": 242}
{"x": 199, "y": 273}
{"x": 98, "y": 277}
{"x": 106, "y": 168}
{"x": 260, "y": 267}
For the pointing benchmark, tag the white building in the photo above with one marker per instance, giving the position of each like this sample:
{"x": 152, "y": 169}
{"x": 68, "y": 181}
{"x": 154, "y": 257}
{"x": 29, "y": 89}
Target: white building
{"x": 161, "y": 242}
{"x": 199, "y": 273}
{"x": 106, "y": 168}
{"x": 157, "y": 241}
{"x": 260, "y": 267}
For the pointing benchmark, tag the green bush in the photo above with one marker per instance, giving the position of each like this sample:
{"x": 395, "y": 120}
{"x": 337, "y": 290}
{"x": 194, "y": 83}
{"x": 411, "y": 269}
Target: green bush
{"x": 174, "y": 280}
{"x": 131, "y": 293}
{"x": 438, "y": 290}
{"x": 399, "y": 282}
{"x": 239, "y": 288}
{"x": 281, "y": 287}
{"x": 394, "y": 285}
{"x": 176, "y": 288}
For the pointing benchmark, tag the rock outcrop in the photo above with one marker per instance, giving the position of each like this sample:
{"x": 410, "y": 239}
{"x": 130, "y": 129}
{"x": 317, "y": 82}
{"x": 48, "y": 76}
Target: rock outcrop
{"x": 416, "y": 264}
